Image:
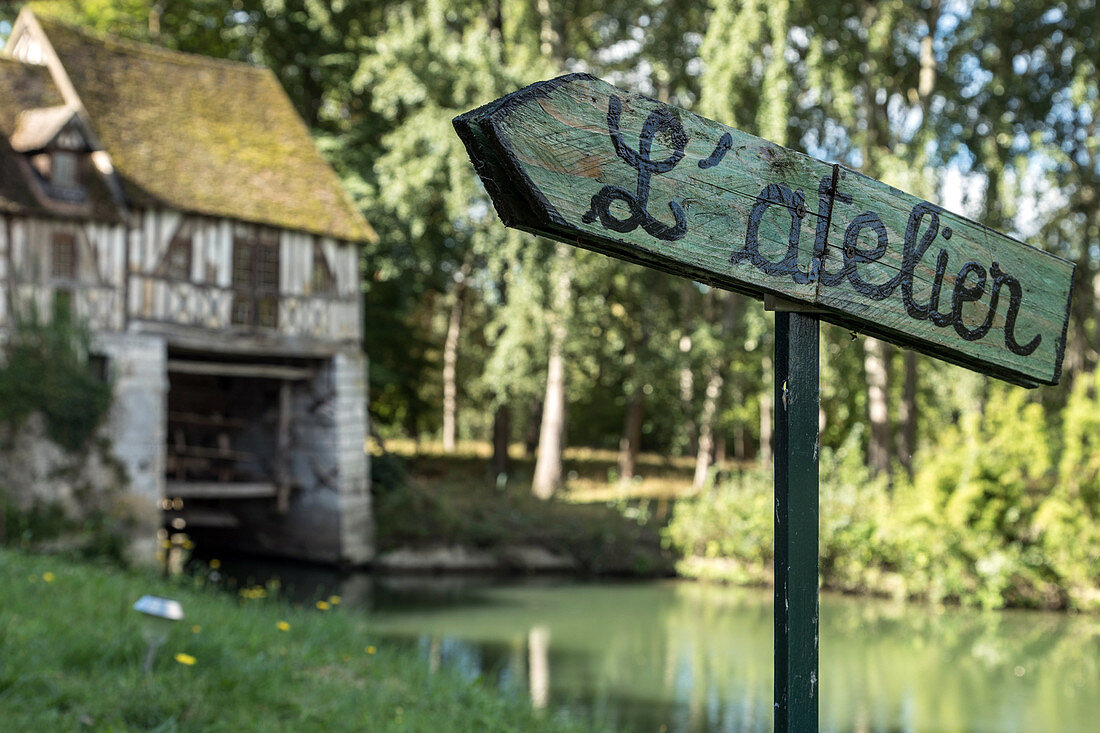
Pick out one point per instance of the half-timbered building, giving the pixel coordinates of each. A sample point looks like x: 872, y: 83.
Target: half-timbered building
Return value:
x: 177, y: 205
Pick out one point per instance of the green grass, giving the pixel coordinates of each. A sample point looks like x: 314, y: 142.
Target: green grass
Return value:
x: 71, y: 659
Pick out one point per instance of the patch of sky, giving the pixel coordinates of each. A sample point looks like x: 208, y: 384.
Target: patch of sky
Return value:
x: 1040, y: 200
x: 954, y: 14
x: 970, y: 66
x: 621, y: 50
x: 1054, y: 15
x: 639, y: 77
x: 905, y: 117
x: 961, y: 190
x: 798, y: 36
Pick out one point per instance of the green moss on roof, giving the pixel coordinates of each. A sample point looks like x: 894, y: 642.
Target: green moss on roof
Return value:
x: 204, y: 135
x: 24, y: 86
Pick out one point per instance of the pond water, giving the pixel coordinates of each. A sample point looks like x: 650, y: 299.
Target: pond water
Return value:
x: 681, y: 656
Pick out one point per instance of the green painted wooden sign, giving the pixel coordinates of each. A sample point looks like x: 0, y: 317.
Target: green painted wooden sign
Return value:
x: 584, y: 162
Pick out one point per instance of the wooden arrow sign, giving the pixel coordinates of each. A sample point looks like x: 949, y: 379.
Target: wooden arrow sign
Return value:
x: 583, y: 162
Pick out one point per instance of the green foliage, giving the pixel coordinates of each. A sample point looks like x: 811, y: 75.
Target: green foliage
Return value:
x: 45, y: 369
x: 977, y: 525
x: 100, y: 536
x: 28, y: 528
x: 972, y: 508
x: 1069, y: 519
x: 732, y: 523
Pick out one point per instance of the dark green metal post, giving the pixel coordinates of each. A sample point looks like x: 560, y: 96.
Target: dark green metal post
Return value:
x: 796, y: 448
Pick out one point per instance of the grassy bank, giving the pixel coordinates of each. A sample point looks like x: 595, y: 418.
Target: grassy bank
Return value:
x: 987, y: 524
x: 71, y: 654
x: 426, y: 498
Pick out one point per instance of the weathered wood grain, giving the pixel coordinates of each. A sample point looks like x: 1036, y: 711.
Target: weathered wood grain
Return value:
x: 583, y: 162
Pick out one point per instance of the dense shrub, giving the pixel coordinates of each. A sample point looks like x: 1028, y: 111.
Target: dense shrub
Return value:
x: 45, y: 369
x: 990, y: 518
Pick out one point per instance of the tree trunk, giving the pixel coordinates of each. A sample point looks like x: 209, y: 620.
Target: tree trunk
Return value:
x: 878, y: 415
x: 450, y: 359
x: 632, y: 435
x: 687, y: 377
x: 739, y: 446
x: 531, y: 434
x: 502, y: 437
x: 547, y: 478
x: 706, y: 428
x: 630, y: 443
x: 907, y: 416
x: 548, y: 470
x: 715, y: 381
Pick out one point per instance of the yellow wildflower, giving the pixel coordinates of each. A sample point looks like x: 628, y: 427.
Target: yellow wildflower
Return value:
x: 215, y: 564
x: 282, y: 626
x: 48, y: 577
x: 323, y: 605
x: 371, y: 650
x: 196, y: 629
x: 334, y: 600
x: 186, y: 659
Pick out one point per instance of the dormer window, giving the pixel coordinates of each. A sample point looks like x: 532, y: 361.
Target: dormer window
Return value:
x: 59, y: 168
x: 53, y: 139
x: 63, y: 169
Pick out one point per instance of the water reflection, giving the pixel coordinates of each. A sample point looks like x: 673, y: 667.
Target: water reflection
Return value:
x: 697, y: 658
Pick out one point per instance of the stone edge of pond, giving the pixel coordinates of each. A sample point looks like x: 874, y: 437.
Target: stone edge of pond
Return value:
x: 458, y: 558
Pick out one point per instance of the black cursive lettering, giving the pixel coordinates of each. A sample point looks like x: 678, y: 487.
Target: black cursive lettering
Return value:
x: 775, y: 194
x: 660, y: 120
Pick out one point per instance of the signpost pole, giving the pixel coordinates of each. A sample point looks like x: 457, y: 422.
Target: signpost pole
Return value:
x: 796, y: 510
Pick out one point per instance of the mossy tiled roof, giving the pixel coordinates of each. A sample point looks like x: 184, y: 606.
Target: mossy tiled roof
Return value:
x: 22, y: 87
x: 29, y: 88
x: 204, y: 135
